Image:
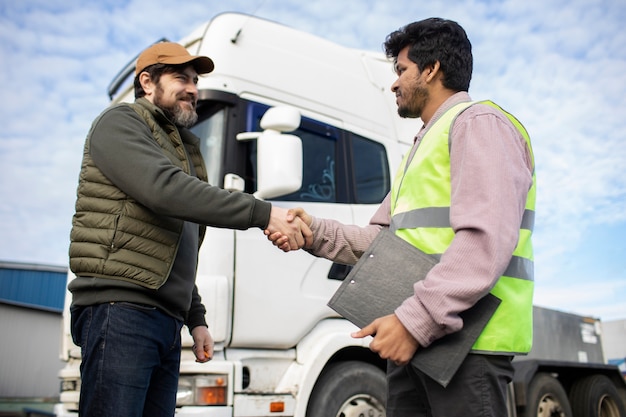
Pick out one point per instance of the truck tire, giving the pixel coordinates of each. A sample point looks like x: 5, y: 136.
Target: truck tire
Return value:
x: 596, y: 396
x: 546, y: 398
x: 349, y: 389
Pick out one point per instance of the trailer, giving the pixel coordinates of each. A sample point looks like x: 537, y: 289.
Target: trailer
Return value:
x: 565, y: 373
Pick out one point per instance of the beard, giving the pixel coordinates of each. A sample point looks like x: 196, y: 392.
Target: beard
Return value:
x: 176, y: 112
x: 414, y: 103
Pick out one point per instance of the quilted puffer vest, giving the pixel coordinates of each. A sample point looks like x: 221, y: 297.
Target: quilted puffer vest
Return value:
x: 115, y: 237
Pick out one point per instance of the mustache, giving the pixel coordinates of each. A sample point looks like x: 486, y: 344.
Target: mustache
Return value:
x: 191, y: 98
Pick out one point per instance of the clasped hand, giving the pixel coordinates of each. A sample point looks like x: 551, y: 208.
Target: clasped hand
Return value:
x: 289, y: 229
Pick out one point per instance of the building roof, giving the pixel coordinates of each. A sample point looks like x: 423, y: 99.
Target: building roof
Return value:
x: 33, y: 285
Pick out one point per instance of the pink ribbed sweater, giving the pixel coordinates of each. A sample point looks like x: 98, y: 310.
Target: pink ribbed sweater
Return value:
x: 491, y: 173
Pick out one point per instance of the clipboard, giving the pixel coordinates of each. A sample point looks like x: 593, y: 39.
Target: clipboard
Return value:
x: 383, y: 278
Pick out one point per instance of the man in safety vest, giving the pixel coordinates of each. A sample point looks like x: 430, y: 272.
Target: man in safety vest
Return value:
x: 464, y: 193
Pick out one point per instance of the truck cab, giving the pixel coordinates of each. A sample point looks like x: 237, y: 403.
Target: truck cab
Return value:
x: 275, y: 337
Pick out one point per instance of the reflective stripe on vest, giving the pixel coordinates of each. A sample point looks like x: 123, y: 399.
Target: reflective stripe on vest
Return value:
x: 420, y: 208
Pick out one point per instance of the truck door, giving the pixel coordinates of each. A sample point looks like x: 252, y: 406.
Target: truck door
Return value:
x: 279, y: 297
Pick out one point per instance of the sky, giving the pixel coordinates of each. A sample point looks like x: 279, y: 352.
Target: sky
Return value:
x: 558, y: 65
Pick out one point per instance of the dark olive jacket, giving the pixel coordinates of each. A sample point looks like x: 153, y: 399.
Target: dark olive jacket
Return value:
x: 141, y: 178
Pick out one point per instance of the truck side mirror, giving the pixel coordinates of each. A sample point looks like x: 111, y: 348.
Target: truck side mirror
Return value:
x: 279, y: 156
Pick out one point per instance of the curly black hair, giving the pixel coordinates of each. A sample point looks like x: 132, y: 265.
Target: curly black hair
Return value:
x: 433, y: 40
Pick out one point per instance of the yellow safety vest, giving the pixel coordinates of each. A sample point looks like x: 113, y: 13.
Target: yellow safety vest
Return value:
x: 420, y: 210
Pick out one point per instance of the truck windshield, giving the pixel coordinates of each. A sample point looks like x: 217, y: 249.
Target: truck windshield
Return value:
x: 210, y: 129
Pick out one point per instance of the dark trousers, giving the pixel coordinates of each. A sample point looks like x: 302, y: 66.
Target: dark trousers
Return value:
x: 130, y: 360
x: 478, y: 389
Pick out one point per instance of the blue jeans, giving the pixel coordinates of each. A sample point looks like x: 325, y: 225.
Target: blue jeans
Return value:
x: 130, y: 360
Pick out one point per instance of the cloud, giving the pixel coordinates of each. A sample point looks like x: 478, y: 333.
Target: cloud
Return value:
x: 596, y: 299
x: 557, y: 65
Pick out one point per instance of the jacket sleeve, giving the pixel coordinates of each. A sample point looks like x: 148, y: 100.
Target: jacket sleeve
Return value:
x: 196, y: 314
x: 122, y: 148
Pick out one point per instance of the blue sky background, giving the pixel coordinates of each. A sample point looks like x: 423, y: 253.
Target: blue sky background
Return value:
x: 559, y: 65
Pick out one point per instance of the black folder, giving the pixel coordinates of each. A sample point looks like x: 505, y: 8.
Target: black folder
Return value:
x: 383, y: 278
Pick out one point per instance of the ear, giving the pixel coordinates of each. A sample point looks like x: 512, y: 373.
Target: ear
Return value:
x: 146, y: 83
x: 433, y: 71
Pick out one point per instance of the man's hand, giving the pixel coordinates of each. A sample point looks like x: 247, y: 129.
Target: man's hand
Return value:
x: 299, y: 212
x: 391, y: 339
x: 202, y: 344
x: 297, y: 218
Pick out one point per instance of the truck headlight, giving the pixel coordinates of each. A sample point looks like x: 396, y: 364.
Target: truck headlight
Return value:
x: 69, y: 385
x: 202, y: 390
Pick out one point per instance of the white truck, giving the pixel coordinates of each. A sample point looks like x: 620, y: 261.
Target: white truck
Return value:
x: 331, y: 140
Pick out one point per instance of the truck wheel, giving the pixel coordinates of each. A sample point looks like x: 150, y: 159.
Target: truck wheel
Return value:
x: 546, y: 398
x: 596, y: 396
x: 349, y: 389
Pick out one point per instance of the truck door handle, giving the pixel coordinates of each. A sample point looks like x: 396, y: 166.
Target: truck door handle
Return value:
x: 339, y: 272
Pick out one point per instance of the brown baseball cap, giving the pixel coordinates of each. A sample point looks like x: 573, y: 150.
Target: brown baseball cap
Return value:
x: 174, y: 54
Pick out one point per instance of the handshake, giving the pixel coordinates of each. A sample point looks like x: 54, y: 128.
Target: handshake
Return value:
x: 289, y: 229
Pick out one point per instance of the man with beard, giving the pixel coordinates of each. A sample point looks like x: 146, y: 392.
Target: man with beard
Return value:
x: 465, y: 193
x: 142, y: 208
